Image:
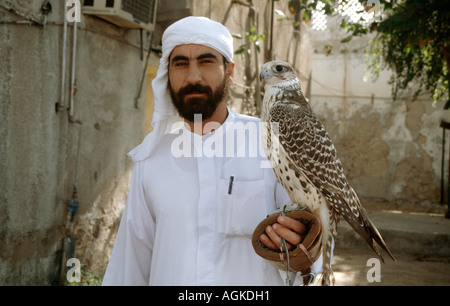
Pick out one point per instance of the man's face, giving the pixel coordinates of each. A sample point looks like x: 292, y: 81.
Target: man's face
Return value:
x: 198, y: 78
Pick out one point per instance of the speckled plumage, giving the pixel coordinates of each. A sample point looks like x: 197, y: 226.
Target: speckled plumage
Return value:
x: 305, y: 161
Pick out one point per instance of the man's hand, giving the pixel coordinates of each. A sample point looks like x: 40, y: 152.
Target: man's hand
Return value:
x: 290, y: 229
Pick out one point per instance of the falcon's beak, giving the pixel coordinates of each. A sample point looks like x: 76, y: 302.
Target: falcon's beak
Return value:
x: 264, y: 75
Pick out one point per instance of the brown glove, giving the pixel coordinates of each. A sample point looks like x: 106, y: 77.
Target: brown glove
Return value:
x: 304, y: 254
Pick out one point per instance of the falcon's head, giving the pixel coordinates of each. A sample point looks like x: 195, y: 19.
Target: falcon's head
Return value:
x: 275, y: 72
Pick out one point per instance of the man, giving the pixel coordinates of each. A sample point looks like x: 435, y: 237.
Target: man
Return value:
x: 198, y: 189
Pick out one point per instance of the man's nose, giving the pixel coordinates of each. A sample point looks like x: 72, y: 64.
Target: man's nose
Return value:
x: 194, y: 74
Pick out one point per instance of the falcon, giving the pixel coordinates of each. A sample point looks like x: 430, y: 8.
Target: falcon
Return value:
x: 306, y: 163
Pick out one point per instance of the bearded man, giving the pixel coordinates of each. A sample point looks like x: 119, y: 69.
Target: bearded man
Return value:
x: 189, y: 216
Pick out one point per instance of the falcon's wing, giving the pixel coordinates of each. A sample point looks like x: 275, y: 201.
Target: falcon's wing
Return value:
x: 308, y: 146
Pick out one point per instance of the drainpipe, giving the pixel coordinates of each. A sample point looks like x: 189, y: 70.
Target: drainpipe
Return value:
x: 69, y: 241
x: 60, y: 104
x: 73, y: 90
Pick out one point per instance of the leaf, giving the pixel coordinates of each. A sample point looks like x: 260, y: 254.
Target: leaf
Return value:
x: 306, y: 16
x: 347, y: 39
x: 328, y: 9
x: 292, y: 4
x: 327, y: 49
x: 240, y: 50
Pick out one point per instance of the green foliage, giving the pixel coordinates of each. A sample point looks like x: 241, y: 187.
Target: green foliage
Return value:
x: 88, y: 278
x: 252, y: 36
x: 412, y: 39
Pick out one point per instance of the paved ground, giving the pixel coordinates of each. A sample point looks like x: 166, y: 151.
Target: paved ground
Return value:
x: 419, y: 241
x: 409, y: 270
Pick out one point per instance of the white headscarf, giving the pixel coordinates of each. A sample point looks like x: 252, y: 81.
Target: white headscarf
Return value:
x: 189, y: 30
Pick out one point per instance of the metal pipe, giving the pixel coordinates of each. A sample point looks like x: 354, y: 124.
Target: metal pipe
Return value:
x: 270, y: 53
x: 144, y: 74
x: 69, y: 242
x: 442, y: 166
x: 73, y: 81
x: 75, y: 181
x: 60, y: 105
x: 445, y: 125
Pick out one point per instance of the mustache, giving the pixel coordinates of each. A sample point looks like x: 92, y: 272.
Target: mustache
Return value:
x: 194, y: 88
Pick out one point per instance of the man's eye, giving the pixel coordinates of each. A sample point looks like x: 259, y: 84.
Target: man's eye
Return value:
x: 180, y: 64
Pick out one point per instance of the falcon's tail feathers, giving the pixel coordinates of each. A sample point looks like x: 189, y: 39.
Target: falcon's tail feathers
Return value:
x: 359, y: 220
x: 363, y: 226
x: 373, y: 235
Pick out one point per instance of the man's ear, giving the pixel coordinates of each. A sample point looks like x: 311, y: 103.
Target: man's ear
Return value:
x: 230, y: 72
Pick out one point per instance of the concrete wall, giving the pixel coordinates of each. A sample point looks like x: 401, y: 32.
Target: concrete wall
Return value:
x: 38, y: 146
x: 391, y: 150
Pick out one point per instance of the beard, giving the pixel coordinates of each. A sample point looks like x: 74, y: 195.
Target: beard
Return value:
x: 205, y: 106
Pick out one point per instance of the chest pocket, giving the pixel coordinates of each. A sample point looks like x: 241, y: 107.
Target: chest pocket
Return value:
x: 240, y: 212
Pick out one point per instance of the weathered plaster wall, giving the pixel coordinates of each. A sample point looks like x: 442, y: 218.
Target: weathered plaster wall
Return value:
x: 38, y: 146
x: 391, y: 150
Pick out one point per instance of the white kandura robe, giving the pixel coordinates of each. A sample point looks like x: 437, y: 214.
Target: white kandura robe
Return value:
x: 181, y: 227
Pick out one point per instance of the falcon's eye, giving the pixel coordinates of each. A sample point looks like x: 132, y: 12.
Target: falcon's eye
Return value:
x: 278, y: 68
